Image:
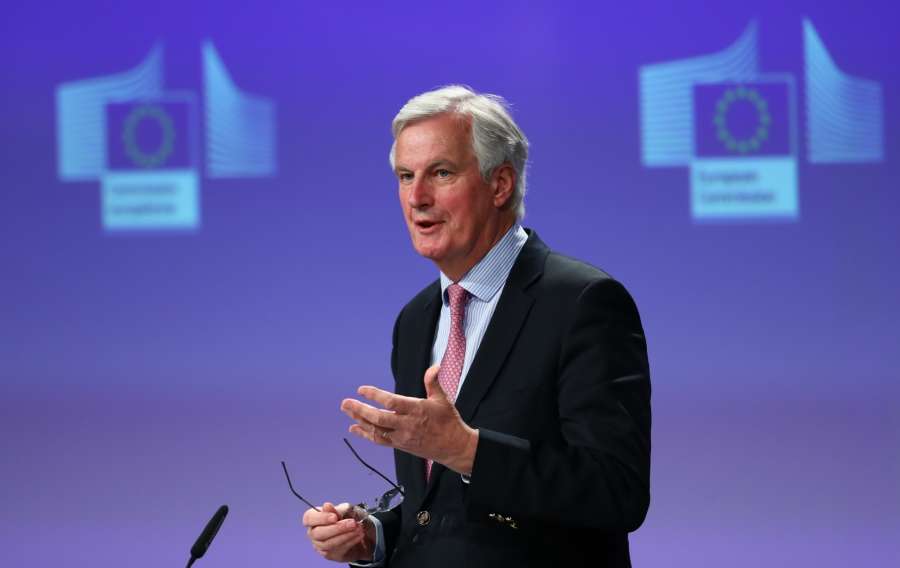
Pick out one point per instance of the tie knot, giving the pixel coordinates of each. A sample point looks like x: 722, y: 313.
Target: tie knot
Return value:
x: 458, y: 296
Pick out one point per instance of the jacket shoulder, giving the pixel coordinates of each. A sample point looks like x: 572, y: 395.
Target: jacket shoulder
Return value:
x: 569, y: 284
x: 567, y: 281
x: 421, y: 300
x: 561, y: 271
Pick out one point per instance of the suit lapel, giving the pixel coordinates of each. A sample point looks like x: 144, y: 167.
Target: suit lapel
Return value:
x: 512, y: 310
x: 425, y: 341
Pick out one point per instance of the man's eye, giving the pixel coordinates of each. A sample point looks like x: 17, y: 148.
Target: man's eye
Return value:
x: 405, y: 177
x: 443, y: 173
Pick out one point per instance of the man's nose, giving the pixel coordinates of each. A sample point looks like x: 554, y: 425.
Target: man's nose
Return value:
x: 420, y: 194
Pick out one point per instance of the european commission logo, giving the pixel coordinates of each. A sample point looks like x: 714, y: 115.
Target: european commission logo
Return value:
x: 145, y: 145
x: 735, y: 128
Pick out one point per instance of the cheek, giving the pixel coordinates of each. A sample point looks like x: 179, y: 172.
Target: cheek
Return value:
x: 457, y: 210
x: 405, y: 209
x: 464, y: 217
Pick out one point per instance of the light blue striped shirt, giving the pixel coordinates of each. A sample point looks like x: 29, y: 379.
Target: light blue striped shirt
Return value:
x: 485, y: 282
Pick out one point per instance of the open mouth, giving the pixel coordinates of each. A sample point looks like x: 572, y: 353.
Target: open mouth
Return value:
x: 425, y: 224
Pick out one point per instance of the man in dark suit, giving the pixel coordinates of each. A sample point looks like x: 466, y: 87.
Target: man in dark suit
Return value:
x: 521, y: 417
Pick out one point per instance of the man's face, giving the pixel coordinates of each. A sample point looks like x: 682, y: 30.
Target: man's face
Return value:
x: 450, y: 211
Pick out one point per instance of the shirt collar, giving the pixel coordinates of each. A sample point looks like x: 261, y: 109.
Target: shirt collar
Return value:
x: 487, y: 277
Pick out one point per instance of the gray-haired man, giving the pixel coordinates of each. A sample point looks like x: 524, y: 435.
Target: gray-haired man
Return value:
x: 521, y: 418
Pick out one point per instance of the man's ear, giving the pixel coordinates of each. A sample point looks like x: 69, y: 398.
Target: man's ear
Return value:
x: 503, y: 183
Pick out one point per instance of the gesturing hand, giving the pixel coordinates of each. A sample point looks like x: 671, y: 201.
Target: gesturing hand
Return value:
x: 430, y: 427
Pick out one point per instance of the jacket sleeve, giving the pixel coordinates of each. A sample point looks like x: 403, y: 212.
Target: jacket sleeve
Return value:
x: 599, y: 475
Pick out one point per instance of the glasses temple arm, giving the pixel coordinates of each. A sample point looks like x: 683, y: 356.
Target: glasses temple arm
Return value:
x: 378, y: 473
x: 294, y: 491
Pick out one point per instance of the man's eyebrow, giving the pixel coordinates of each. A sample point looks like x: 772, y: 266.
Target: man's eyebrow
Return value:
x: 431, y: 166
x: 437, y: 163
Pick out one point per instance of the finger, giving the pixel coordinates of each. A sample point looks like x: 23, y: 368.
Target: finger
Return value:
x: 390, y: 401
x: 361, y: 411
x: 373, y: 434
x: 313, y: 518
x: 321, y: 535
x: 336, y: 547
x: 432, y: 386
x: 362, y: 432
x: 343, y: 552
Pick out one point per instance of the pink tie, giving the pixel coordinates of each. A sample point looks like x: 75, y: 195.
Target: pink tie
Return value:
x: 455, y: 354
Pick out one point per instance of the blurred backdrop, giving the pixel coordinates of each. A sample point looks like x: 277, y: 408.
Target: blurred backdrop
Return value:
x: 202, y: 253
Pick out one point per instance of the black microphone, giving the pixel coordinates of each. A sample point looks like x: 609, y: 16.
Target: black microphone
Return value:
x: 209, y: 533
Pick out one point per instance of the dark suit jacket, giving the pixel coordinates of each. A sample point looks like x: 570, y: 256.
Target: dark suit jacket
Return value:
x: 560, y: 393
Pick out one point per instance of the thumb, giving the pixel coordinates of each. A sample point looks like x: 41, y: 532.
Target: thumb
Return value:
x: 329, y: 508
x: 432, y: 386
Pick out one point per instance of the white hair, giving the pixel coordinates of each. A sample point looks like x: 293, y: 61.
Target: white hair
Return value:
x: 496, y: 139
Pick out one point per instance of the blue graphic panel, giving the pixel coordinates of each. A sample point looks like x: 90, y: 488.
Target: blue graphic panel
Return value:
x: 746, y: 163
x: 741, y: 188
x: 147, y: 201
x: 81, y: 117
x: 240, y: 128
x: 844, y: 113
x: 667, y: 121
x: 151, y: 181
x: 151, y: 134
x: 743, y: 119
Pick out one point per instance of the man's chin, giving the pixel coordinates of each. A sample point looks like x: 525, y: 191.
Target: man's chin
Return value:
x: 430, y: 251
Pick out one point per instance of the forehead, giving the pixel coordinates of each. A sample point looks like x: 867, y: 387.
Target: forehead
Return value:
x: 445, y: 136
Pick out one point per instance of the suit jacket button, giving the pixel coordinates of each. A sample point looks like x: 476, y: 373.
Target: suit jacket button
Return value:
x: 423, y: 518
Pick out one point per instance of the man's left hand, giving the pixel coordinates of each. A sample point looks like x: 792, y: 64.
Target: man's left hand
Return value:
x: 430, y: 427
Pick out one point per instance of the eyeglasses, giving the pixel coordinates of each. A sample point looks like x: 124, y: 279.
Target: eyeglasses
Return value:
x: 386, y: 502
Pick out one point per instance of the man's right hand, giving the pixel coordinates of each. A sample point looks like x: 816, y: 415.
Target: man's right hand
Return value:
x: 337, y: 534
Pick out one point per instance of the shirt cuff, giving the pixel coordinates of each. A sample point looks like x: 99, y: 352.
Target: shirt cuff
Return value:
x: 378, y: 556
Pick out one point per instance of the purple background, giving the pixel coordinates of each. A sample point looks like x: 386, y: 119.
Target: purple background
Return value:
x: 147, y: 379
